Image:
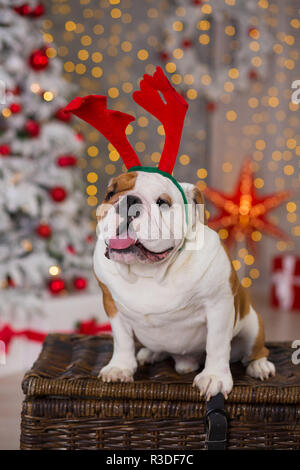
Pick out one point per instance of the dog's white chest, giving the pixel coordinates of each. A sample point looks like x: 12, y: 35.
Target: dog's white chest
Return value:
x: 179, y: 331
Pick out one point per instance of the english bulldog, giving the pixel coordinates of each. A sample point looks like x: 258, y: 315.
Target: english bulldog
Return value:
x: 167, y: 279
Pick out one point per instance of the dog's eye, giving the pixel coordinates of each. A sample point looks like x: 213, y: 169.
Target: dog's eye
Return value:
x: 109, y: 195
x: 160, y: 202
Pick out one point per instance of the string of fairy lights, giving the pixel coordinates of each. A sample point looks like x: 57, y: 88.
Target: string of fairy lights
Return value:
x: 101, y: 42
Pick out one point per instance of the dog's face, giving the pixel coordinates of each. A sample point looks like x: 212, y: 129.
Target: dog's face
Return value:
x: 142, y: 218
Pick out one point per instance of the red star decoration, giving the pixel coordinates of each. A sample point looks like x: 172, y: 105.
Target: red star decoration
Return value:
x: 244, y: 212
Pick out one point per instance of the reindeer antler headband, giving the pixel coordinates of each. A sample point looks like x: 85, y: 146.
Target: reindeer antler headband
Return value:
x: 112, y: 124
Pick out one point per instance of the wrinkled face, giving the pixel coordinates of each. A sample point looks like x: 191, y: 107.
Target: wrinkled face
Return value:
x: 141, y: 219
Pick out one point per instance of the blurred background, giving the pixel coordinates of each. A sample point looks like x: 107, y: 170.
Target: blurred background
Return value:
x: 233, y: 61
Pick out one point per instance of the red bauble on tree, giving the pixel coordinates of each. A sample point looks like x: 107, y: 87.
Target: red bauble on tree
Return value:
x: 27, y: 10
x: 44, y: 230
x: 63, y: 115
x: 80, y: 283
x: 23, y: 10
x: 186, y: 43
x: 58, y: 193
x: 15, y: 108
x: 66, y: 160
x: 10, y: 282
x: 38, y: 11
x: 56, y: 286
x: 4, y: 150
x: 15, y: 91
x: 32, y: 128
x: 39, y: 60
x: 71, y: 249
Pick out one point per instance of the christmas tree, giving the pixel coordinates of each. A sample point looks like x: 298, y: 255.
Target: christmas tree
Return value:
x: 45, y: 234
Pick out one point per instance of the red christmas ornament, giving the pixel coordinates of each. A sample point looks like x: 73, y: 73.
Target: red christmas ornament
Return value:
x: 56, y: 285
x: 71, y: 249
x: 197, y: 2
x: 211, y: 106
x: 38, y: 60
x: 23, y: 10
x: 15, y: 108
x: 186, y: 43
x: 244, y: 212
x: 58, y: 193
x: 38, y: 11
x: 16, y: 90
x: 32, y: 128
x: 44, y: 230
x: 4, y: 150
x: 80, y: 283
x: 26, y: 10
x: 63, y: 115
x: 164, y: 56
x: 66, y: 160
x: 10, y: 282
x: 253, y: 75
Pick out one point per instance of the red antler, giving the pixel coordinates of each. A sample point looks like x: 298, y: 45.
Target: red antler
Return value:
x: 171, y: 114
x: 111, y: 124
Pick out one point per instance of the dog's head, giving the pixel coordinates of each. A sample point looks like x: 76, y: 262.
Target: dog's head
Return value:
x: 143, y: 217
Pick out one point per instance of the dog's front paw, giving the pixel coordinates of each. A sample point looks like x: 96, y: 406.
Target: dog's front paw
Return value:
x: 211, y: 384
x: 261, y: 369
x: 111, y: 373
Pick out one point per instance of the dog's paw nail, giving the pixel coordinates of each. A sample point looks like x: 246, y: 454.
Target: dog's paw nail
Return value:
x: 115, y: 374
x: 211, y: 384
x: 261, y: 369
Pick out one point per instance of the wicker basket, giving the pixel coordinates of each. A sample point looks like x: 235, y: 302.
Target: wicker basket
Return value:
x: 67, y: 407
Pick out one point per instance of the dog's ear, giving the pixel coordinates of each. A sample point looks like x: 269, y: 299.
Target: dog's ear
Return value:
x: 199, y: 199
x: 195, y: 200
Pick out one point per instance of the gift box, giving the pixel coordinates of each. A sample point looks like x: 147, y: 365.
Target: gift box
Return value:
x: 68, y: 407
x: 22, y: 334
x: 285, y: 292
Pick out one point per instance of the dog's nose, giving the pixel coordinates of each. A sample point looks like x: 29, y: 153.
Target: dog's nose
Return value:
x: 129, y: 209
x: 133, y: 201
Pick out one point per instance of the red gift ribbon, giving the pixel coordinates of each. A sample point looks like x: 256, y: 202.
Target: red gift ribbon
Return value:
x: 88, y: 327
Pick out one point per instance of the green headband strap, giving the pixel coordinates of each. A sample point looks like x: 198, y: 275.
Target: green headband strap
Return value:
x: 151, y: 169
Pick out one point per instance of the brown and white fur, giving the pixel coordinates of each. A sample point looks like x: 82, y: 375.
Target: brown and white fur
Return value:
x: 178, y: 302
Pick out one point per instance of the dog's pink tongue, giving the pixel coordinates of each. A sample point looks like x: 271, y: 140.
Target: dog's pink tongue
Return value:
x: 121, y: 243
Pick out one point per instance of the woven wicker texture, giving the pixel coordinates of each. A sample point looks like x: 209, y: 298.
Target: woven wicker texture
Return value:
x: 68, y: 407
